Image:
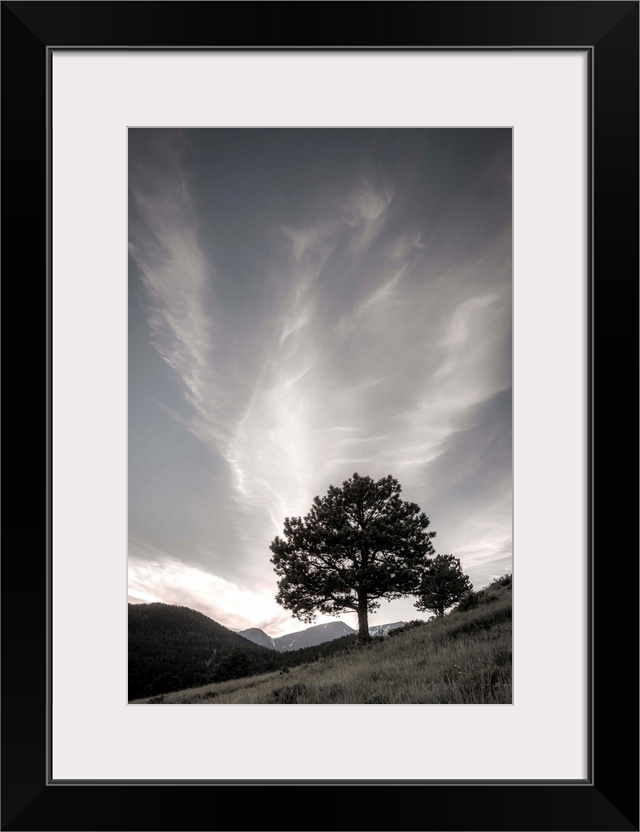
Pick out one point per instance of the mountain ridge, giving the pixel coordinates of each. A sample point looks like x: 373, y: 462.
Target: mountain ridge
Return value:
x: 311, y: 636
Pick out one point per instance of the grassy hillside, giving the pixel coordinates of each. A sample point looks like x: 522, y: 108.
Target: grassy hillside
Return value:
x: 173, y: 647
x: 461, y: 659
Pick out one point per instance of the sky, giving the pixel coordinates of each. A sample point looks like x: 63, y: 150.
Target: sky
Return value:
x: 306, y: 304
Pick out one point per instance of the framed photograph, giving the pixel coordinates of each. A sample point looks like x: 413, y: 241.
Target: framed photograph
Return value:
x: 243, y: 145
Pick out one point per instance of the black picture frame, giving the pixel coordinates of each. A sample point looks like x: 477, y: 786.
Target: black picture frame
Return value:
x: 608, y: 798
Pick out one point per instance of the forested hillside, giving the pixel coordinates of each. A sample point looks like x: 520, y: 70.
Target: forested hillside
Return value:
x: 171, y: 648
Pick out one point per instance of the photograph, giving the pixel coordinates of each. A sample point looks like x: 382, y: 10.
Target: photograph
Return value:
x: 320, y: 465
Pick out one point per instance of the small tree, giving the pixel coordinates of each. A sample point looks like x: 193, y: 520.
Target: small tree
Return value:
x: 234, y: 666
x: 443, y: 584
x: 358, y: 544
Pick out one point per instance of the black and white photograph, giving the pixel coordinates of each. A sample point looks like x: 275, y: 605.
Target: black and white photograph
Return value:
x: 320, y: 416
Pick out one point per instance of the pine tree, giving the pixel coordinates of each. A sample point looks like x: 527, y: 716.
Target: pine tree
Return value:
x: 443, y: 584
x: 358, y: 544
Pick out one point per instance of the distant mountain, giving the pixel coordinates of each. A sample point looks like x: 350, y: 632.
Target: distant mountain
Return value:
x: 258, y: 636
x: 312, y: 636
x: 301, y: 639
x: 383, y: 629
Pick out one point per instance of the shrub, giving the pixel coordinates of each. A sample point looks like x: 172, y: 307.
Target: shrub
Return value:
x: 410, y: 625
x: 468, y: 601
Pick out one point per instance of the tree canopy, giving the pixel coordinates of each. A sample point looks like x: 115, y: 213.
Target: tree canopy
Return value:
x: 443, y: 584
x: 358, y: 544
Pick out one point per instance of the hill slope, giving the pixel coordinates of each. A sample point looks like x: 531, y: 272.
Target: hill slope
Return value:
x: 172, y: 647
x: 462, y: 659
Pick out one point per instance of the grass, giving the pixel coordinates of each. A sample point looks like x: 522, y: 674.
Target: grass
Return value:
x: 464, y: 658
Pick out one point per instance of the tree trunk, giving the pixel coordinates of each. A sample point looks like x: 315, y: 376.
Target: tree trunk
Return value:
x: 363, y: 621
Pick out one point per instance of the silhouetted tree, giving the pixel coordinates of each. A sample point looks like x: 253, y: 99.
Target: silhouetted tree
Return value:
x: 234, y: 666
x: 443, y: 584
x: 358, y: 544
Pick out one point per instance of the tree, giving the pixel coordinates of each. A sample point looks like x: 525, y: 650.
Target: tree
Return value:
x: 443, y: 584
x: 233, y: 666
x: 358, y: 544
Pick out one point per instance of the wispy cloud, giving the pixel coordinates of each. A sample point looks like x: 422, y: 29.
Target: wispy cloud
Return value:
x: 179, y: 283
x: 363, y: 340
x: 367, y: 212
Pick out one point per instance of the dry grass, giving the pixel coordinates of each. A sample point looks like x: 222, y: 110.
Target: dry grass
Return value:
x: 464, y: 658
